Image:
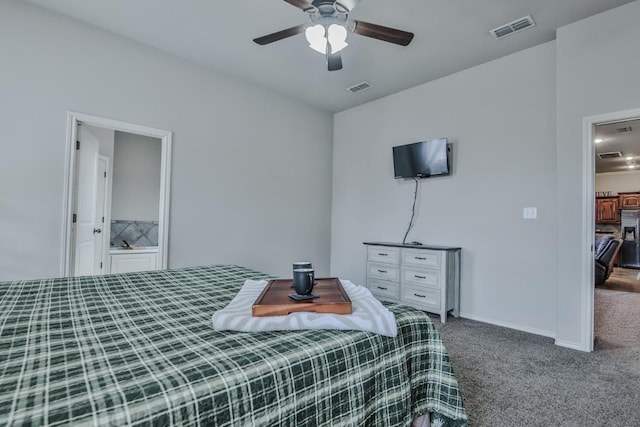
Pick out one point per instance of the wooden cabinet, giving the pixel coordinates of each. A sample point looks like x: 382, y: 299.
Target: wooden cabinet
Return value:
x: 424, y: 277
x: 629, y: 200
x: 607, y: 210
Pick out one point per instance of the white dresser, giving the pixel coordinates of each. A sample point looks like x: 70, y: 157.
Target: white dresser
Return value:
x: 425, y: 277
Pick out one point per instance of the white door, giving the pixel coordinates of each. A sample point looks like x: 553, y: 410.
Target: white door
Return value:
x: 86, y: 203
x: 101, y: 234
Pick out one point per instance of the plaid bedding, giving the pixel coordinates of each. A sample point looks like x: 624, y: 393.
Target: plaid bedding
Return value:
x: 139, y: 349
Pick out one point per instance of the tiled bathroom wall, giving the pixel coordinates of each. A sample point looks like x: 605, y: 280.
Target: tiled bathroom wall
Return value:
x: 136, y: 233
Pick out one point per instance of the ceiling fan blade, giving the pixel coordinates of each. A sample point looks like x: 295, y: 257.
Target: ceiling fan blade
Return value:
x: 274, y: 37
x: 334, y: 61
x: 302, y: 4
x: 380, y: 32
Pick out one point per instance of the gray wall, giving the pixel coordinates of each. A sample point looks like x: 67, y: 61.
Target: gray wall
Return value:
x: 136, y: 177
x: 517, y: 128
x: 240, y: 153
x: 500, y: 117
x: 598, y: 73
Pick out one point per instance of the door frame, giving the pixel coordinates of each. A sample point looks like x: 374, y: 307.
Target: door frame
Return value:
x: 165, y: 136
x: 588, y: 216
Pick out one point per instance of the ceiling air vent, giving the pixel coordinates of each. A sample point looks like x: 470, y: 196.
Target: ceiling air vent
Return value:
x: 610, y: 155
x: 359, y: 87
x: 624, y: 129
x: 513, y: 27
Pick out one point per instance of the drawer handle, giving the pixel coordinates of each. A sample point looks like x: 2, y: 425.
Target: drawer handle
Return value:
x: 419, y: 277
x: 421, y: 258
x: 380, y: 287
x: 383, y: 254
x: 383, y: 271
x: 420, y: 296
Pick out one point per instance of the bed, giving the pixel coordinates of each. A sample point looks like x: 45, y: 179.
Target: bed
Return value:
x: 139, y: 349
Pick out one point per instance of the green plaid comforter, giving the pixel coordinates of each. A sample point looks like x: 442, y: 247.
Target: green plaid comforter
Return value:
x: 139, y: 349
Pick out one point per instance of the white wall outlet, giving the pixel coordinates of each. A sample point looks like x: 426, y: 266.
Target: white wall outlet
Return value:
x: 530, y: 213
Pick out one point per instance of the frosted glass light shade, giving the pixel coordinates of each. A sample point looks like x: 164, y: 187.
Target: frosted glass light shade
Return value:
x: 337, y: 36
x: 317, y: 40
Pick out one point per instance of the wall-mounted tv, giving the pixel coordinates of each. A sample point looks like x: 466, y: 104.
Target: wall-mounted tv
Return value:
x: 421, y: 159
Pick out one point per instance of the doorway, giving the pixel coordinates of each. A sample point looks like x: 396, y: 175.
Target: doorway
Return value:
x: 591, y: 126
x: 96, y: 232
x: 617, y: 187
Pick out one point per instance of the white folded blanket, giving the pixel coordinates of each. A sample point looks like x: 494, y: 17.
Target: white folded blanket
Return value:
x: 368, y: 314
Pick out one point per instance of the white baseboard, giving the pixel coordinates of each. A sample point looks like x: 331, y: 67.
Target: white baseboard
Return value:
x: 570, y: 344
x: 535, y: 331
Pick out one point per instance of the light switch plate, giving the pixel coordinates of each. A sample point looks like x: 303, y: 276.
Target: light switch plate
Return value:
x: 530, y: 213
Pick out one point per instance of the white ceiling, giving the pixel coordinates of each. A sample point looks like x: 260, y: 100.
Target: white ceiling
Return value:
x: 622, y: 137
x: 450, y: 35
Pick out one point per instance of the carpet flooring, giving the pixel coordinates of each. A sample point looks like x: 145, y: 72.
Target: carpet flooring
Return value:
x: 511, y: 378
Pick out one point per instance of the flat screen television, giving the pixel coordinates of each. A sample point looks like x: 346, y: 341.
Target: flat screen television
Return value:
x: 421, y: 159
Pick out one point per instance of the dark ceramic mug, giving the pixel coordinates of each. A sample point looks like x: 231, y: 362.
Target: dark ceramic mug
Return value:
x: 303, y: 280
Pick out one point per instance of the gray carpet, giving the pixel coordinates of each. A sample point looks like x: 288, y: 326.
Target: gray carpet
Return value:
x: 512, y: 378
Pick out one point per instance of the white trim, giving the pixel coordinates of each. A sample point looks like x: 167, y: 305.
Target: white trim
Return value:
x: 588, y: 222
x: 570, y: 344
x: 165, y: 173
x: 587, y: 240
x: 106, y: 231
x: 69, y: 186
x: 535, y: 331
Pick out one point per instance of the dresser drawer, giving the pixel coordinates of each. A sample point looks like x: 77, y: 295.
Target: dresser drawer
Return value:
x: 384, y: 254
x: 383, y: 271
x: 384, y: 289
x: 427, y: 298
x: 421, y: 277
x: 421, y: 258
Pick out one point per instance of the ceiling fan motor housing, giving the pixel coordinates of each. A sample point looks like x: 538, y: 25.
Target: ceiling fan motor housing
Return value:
x: 329, y: 7
x: 344, y: 6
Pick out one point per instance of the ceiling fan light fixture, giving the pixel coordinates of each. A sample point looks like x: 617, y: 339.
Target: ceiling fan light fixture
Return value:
x: 316, y: 38
x: 337, y: 35
x: 320, y: 38
x: 331, y: 22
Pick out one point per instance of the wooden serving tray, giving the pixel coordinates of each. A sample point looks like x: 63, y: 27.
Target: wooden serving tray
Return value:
x: 274, y: 299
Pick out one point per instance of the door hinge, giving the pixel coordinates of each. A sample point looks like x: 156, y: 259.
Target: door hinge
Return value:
x: 105, y: 174
x: 75, y: 218
x: 77, y: 145
x: 100, y: 265
x: 103, y: 220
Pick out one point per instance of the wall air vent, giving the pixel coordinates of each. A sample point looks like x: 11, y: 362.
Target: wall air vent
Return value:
x: 610, y: 155
x: 624, y: 129
x: 359, y: 87
x: 513, y: 27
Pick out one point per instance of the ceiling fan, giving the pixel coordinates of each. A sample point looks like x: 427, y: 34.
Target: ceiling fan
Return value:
x: 328, y: 33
